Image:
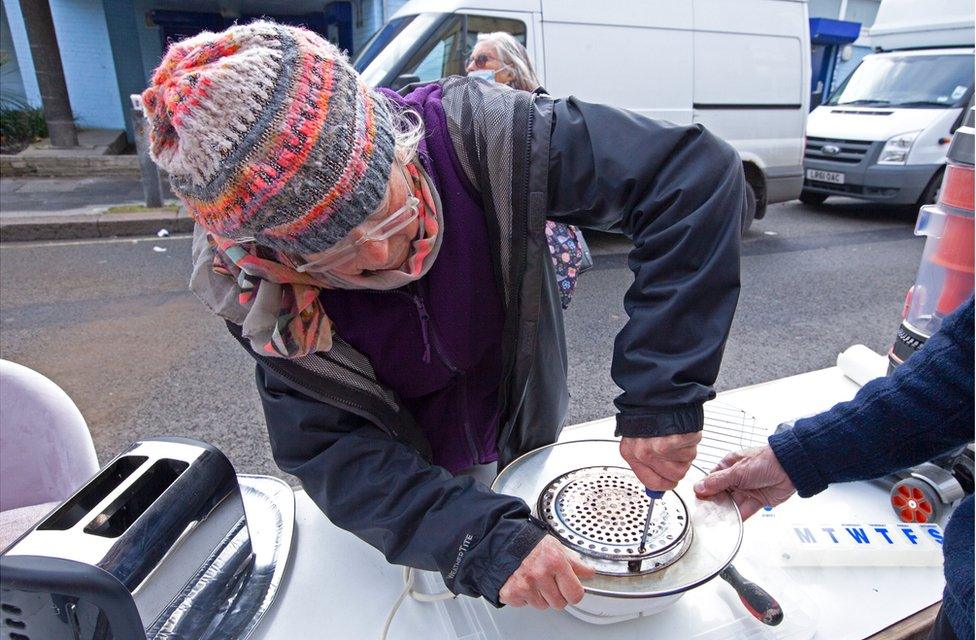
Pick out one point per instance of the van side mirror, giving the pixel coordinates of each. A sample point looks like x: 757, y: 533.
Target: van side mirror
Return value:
x: 404, y: 80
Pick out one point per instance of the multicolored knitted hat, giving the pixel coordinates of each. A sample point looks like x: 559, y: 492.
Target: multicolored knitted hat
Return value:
x: 268, y: 132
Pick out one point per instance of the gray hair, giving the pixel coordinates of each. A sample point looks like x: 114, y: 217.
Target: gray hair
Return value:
x: 511, y: 52
x: 408, y: 128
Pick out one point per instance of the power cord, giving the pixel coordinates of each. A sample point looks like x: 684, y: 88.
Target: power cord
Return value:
x: 419, y: 596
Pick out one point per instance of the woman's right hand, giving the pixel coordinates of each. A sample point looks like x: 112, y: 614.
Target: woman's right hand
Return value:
x: 547, y: 578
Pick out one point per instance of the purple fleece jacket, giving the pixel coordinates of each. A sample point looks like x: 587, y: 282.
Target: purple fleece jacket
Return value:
x: 437, y: 342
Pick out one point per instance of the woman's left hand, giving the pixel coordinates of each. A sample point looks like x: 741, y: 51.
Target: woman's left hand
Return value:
x: 661, y: 462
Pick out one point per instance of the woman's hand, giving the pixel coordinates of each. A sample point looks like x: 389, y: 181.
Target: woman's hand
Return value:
x: 754, y: 477
x: 547, y: 578
x: 661, y: 462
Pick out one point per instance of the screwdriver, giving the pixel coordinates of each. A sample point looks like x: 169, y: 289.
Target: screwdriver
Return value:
x: 654, y: 496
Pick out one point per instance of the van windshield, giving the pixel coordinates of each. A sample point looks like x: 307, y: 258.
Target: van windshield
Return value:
x: 391, y: 44
x: 919, y: 81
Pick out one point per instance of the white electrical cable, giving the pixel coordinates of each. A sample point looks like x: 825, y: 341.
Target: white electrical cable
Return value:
x: 419, y: 596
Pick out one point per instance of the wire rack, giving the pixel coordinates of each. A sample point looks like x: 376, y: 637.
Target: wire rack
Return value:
x: 727, y: 429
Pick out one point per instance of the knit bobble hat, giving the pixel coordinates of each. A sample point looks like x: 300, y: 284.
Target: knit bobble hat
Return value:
x: 268, y: 132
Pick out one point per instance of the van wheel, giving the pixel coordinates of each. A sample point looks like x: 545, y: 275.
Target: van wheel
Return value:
x: 931, y: 193
x: 812, y: 198
x: 750, y: 213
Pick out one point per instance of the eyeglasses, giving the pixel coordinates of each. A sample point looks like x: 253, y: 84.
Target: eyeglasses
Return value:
x: 479, y: 61
x: 346, y: 249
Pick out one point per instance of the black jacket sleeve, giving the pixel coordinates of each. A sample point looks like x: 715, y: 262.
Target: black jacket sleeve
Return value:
x: 384, y: 492
x: 923, y: 409
x: 679, y: 193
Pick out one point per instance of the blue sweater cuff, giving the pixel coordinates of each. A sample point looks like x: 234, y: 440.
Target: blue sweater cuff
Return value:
x: 790, y: 453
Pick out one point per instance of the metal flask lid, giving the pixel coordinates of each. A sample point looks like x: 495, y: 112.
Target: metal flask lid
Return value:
x: 594, y: 504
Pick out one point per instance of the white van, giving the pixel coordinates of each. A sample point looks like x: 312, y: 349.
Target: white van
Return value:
x: 884, y: 132
x: 740, y: 68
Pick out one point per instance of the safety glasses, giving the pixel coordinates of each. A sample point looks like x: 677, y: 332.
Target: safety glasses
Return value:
x: 374, y: 231
x: 346, y: 249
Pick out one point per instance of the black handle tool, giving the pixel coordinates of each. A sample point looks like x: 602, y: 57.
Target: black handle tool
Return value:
x: 759, y: 603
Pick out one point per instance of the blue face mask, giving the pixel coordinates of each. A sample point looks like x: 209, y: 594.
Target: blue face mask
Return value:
x: 484, y: 74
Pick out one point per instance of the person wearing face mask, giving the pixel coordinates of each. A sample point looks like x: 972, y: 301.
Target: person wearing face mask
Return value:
x: 499, y: 57
x: 383, y: 259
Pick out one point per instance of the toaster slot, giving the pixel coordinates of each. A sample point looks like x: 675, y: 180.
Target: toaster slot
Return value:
x: 134, y: 501
x: 79, y: 505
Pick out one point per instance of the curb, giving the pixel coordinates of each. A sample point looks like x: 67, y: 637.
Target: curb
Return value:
x: 80, y: 166
x: 100, y: 225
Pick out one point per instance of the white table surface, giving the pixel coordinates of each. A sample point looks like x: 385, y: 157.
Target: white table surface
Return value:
x: 339, y: 587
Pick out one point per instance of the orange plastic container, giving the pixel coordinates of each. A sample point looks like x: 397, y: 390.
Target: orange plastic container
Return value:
x: 945, y: 276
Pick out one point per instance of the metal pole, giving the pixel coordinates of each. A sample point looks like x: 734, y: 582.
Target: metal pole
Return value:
x: 151, y: 185
x: 50, y: 75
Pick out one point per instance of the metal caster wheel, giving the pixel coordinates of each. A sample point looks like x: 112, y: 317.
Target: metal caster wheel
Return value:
x: 915, y: 500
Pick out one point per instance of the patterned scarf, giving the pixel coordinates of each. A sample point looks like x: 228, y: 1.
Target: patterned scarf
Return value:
x: 283, y: 313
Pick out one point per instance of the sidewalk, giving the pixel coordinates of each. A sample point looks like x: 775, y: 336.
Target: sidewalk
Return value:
x: 65, y: 208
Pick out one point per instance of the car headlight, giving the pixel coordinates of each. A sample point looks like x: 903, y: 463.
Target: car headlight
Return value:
x: 896, y: 149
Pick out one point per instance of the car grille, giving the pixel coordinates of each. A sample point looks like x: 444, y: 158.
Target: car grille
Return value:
x: 851, y: 151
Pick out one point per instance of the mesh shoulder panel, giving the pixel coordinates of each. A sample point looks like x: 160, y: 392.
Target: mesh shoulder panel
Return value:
x: 481, y: 124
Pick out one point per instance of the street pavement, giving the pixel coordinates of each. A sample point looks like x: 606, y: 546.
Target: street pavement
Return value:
x: 29, y: 197
x: 113, y: 323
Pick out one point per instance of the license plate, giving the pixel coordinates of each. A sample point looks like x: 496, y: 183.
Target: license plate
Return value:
x: 825, y: 176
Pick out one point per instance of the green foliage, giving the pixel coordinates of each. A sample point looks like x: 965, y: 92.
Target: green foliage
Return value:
x: 19, y: 127
x: 20, y: 123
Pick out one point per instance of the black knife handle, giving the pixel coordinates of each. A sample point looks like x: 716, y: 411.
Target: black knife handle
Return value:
x: 759, y: 603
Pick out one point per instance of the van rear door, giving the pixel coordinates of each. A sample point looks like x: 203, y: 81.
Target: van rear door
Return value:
x: 752, y: 70
x: 634, y: 55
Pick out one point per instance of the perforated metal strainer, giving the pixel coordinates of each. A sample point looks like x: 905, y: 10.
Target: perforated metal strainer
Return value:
x: 595, y: 505
x: 599, y: 512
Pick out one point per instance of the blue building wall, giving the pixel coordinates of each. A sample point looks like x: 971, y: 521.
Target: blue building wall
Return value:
x: 129, y: 75
x: 109, y: 49
x: 13, y: 86
x: 89, y: 68
x: 150, y: 45
x: 86, y: 56
x: 21, y: 50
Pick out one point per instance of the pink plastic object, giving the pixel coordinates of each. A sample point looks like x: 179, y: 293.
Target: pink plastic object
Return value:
x: 46, y: 451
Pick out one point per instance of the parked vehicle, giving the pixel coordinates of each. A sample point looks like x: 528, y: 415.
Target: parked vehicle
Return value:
x: 884, y: 133
x: 741, y: 69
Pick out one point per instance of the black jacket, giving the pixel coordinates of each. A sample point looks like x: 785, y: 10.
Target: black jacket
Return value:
x: 677, y: 191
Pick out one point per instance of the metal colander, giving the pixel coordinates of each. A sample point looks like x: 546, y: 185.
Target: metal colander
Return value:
x: 600, y: 512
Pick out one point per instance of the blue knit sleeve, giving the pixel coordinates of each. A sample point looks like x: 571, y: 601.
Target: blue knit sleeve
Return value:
x: 923, y: 409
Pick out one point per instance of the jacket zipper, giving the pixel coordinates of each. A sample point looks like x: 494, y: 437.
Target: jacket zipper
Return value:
x: 424, y: 319
x: 432, y: 339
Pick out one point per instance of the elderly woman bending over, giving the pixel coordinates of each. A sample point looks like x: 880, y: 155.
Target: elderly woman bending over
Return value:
x: 383, y: 259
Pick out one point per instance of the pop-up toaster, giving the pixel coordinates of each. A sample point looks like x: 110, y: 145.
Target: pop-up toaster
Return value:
x: 118, y: 558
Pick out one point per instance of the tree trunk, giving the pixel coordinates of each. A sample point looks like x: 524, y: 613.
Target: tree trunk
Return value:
x: 50, y: 76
